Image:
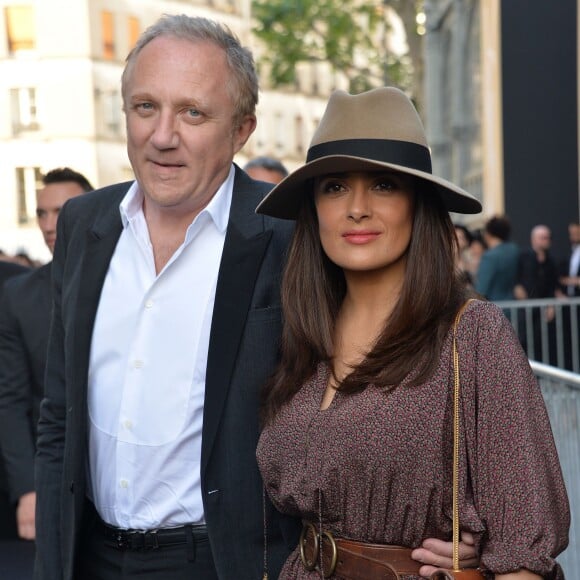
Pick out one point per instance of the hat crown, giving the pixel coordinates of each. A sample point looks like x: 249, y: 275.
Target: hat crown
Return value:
x: 382, y: 113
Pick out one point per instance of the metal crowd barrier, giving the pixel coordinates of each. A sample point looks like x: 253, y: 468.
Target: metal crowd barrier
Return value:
x: 561, y: 391
x: 548, y: 328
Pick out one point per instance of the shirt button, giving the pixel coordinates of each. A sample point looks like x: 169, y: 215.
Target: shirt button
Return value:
x: 149, y: 304
x: 124, y: 483
x: 138, y: 364
x: 128, y: 424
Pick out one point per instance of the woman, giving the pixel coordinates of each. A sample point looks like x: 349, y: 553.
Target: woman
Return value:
x: 357, y: 438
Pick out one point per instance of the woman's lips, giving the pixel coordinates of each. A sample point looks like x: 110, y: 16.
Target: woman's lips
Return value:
x: 362, y: 237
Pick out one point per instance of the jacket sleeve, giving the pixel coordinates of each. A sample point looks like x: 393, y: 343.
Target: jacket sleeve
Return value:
x: 16, y: 433
x: 518, y: 488
x: 51, y: 431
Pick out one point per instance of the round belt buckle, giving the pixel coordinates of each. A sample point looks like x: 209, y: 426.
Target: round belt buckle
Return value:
x: 333, y: 554
x: 308, y: 564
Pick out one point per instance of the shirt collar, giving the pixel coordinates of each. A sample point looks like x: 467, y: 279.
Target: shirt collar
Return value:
x: 218, y: 208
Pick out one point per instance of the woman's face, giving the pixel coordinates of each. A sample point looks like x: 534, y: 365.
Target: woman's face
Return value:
x: 461, y: 238
x: 365, y: 219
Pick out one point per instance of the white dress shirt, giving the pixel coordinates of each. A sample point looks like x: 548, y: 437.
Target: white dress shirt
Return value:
x: 573, y: 268
x: 147, y: 371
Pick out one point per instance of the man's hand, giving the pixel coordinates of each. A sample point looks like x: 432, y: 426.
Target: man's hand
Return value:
x: 439, y: 554
x: 25, y: 518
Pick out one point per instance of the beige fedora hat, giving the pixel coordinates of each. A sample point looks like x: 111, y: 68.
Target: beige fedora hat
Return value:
x: 376, y: 129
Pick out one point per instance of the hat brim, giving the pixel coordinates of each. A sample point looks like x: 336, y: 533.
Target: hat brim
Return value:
x: 285, y: 199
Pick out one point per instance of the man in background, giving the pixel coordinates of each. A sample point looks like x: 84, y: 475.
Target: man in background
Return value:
x: 538, y: 278
x: 25, y: 309
x: 266, y: 169
x: 498, y: 268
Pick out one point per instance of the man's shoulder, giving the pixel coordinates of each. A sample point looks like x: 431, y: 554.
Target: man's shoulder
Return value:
x: 25, y: 287
x: 10, y: 269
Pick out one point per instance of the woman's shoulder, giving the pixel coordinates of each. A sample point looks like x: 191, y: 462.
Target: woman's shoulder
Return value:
x: 483, y: 316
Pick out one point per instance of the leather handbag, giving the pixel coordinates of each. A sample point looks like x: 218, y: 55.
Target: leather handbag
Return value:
x: 456, y: 573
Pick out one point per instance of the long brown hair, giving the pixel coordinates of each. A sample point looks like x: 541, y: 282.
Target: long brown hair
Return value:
x: 313, y: 289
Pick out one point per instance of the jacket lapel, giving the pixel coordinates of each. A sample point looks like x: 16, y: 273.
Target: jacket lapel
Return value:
x: 101, y: 240
x: 244, y: 248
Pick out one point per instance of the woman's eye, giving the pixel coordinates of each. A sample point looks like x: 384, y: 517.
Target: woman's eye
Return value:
x: 331, y: 187
x: 386, y: 185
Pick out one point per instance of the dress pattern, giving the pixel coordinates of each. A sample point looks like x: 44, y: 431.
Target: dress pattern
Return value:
x: 376, y: 466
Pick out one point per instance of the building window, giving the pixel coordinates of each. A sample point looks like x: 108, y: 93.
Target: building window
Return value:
x: 112, y: 111
x: 280, y: 133
x: 134, y: 31
x: 28, y: 182
x: 108, y: 34
x: 299, y: 135
x: 20, y: 28
x: 24, y: 114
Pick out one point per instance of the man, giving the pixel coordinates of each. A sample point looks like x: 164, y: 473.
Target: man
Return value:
x: 537, y: 277
x: 8, y: 531
x: 496, y: 276
x: 570, y: 287
x: 266, y: 169
x: 24, y: 323
x: 570, y: 268
x: 165, y: 327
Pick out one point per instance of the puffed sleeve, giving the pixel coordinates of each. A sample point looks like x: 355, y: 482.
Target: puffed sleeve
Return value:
x: 517, y: 485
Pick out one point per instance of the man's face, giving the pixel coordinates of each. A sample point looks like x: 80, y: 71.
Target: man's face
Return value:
x: 263, y: 174
x: 541, y: 238
x: 49, y: 200
x: 574, y: 233
x: 180, y: 124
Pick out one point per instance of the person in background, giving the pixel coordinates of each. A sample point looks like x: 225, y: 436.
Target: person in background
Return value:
x: 570, y: 269
x: 266, y: 169
x: 358, y: 430
x: 8, y: 529
x: 25, y: 309
x: 569, y: 281
x: 476, y: 249
x: 464, y: 259
x: 498, y: 268
x: 538, y: 278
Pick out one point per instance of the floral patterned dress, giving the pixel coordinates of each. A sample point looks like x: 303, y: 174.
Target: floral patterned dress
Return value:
x: 376, y: 466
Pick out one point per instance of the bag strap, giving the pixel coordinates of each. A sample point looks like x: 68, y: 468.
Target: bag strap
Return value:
x: 456, y: 437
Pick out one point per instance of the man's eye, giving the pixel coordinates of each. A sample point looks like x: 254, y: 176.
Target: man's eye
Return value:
x: 193, y: 113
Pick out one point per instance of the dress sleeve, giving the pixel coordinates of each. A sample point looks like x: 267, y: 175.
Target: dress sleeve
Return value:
x: 518, y: 489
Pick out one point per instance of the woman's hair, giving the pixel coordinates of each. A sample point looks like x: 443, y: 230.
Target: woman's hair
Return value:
x: 410, y: 344
x: 243, y: 82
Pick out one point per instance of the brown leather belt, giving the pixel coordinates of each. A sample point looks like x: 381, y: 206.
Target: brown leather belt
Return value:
x: 353, y: 560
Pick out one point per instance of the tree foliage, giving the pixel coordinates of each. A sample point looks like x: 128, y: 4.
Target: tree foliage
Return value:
x: 334, y: 31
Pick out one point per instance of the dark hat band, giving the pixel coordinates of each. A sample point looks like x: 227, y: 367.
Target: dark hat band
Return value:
x: 402, y: 153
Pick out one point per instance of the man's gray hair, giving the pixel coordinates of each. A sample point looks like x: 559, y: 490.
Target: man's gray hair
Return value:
x: 243, y: 83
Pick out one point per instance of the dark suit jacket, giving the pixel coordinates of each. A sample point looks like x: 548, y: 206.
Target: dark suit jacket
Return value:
x: 9, y: 269
x: 564, y: 271
x: 242, y: 353
x: 7, y: 508
x: 25, y: 310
